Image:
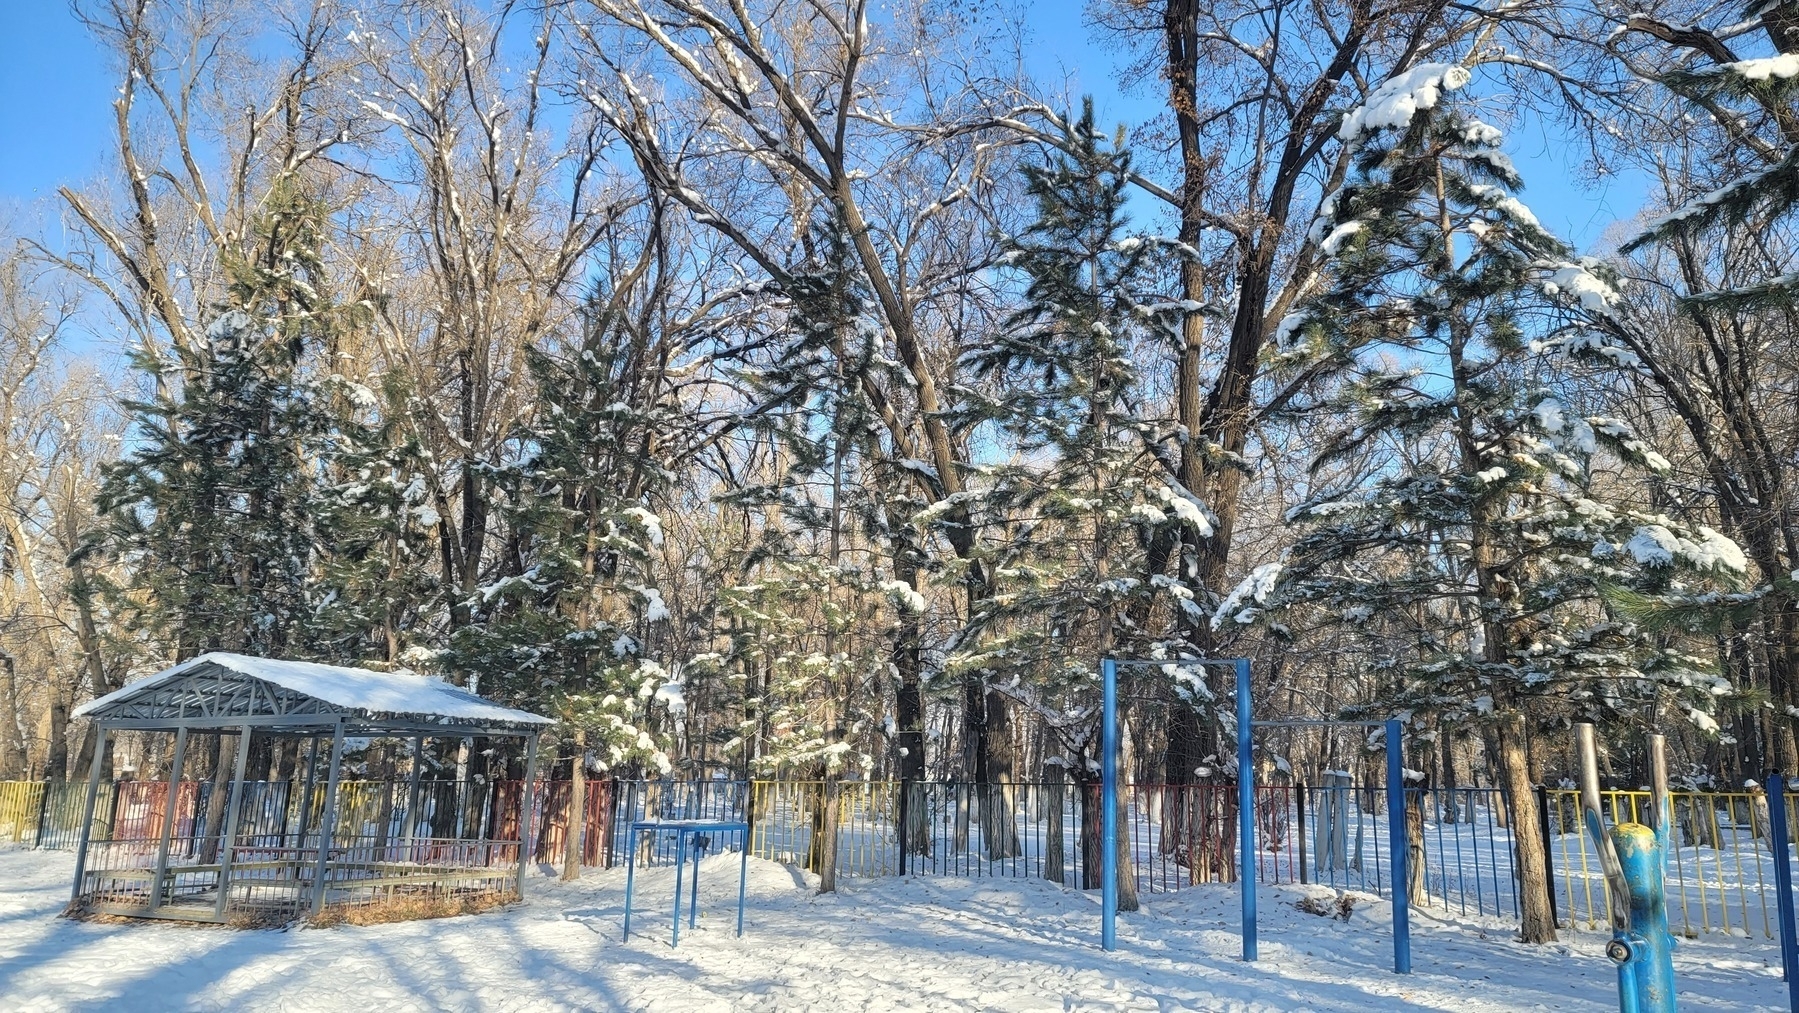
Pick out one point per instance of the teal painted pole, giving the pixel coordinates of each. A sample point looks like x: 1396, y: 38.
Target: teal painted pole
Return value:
x: 1633, y: 857
x: 1650, y: 942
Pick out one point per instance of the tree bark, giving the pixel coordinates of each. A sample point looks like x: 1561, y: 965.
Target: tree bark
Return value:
x: 910, y: 712
x: 1537, y: 924
x: 577, y: 809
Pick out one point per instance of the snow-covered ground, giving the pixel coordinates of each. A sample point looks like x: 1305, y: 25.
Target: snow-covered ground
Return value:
x: 893, y: 944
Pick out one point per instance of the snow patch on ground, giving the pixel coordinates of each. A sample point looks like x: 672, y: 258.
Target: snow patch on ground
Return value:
x: 879, y: 944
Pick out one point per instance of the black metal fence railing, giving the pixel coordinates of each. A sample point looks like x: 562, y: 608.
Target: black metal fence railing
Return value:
x: 1175, y: 835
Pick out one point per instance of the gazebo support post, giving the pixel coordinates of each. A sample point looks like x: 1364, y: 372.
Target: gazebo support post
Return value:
x: 231, y: 811
x: 327, y: 819
x: 87, y: 810
x: 412, y: 793
x: 525, y: 849
x: 171, y: 808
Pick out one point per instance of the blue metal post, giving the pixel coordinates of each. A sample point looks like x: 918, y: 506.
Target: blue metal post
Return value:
x: 1108, y: 793
x: 743, y: 875
x: 630, y: 878
x: 1783, y: 886
x: 1246, y: 809
x: 693, y: 901
x: 1398, y: 852
x: 680, y: 867
x: 1632, y: 856
x: 1652, y: 946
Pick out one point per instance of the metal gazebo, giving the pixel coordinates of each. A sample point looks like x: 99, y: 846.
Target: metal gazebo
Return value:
x: 229, y: 876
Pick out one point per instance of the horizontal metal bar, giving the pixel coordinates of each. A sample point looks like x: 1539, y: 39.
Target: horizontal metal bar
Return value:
x: 1183, y: 662
x: 1319, y: 723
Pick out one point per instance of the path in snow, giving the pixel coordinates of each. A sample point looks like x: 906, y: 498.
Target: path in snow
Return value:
x: 896, y: 944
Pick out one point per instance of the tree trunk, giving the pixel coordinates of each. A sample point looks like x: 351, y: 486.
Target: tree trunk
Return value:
x: 56, y: 759
x: 1417, y: 888
x: 826, y: 844
x: 1092, y: 829
x: 1127, y: 868
x: 1053, y: 802
x: 999, y: 796
x: 577, y: 809
x: 909, y: 703
x: 12, y: 736
x: 215, y: 801
x: 1538, y: 921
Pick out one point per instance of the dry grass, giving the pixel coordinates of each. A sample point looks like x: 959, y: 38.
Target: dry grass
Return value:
x: 409, y: 907
x: 400, y: 906
x: 1340, y: 907
x: 237, y: 921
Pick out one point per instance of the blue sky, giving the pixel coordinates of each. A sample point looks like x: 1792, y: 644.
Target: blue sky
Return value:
x: 55, y: 101
x: 56, y: 93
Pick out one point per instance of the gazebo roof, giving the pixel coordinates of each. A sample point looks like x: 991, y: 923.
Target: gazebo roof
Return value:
x: 224, y: 691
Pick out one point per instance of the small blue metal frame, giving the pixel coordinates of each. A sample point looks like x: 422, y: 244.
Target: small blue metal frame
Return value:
x: 1397, y: 852
x: 1246, y: 807
x: 685, y: 831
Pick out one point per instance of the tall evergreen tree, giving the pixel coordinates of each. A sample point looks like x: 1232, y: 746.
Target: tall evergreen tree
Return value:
x: 1074, y: 509
x: 565, y: 625
x: 1489, y: 509
x: 1718, y: 356
x: 216, y: 505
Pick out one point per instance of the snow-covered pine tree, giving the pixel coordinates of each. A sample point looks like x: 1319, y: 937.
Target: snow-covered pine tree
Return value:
x: 1718, y: 355
x: 567, y: 624
x: 839, y: 558
x: 1483, y: 510
x: 377, y: 530
x: 1072, y: 512
x: 216, y: 504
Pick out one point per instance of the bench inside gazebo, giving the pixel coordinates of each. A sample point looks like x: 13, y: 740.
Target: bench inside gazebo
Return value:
x: 319, y: 866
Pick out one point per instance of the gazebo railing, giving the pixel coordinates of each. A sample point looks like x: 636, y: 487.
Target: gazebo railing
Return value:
x: 277, y: 882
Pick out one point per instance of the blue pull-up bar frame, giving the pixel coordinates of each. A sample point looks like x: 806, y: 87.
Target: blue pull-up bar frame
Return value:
x: 1397, y: 850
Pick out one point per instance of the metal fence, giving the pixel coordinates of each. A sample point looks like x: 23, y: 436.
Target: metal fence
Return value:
x: 1720, y: 875
x: 1720, y: 871
x: 47, y: 814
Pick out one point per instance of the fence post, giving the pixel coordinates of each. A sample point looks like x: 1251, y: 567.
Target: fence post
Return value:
x: 43, y: 810
x: 1548, y: 852
x: 1246, y: 810
x: 1301, y: 789
x: 1783, y: 886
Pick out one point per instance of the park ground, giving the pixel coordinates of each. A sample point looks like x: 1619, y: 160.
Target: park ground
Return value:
x: 891, y: 944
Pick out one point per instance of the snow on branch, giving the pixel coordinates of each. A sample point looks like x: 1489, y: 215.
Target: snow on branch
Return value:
x: 1576, y: 282
x: 1400, y: 97
x: 1657, y: 546
x: 1257, y: 587
x: 1733, y: 202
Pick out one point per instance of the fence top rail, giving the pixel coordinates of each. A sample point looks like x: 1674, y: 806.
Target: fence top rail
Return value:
x: 1644, y: 793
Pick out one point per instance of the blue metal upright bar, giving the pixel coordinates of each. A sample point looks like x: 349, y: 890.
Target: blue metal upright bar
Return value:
x: 1783, y: 886
x: 680, y: 867
x: 1108, y: 774
x: 1397, y: 852
x: 631, y: 880
x: 1246, y: 808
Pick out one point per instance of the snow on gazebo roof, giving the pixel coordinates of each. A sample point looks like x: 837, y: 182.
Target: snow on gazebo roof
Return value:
x: 222, y: 691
